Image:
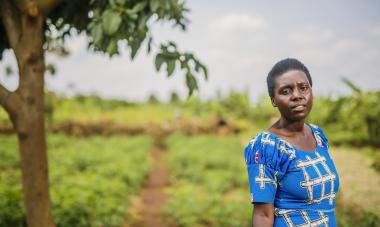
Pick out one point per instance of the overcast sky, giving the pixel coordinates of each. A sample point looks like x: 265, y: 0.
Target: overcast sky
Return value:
x: 239, y: 41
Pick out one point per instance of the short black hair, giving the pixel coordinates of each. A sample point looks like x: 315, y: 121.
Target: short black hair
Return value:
x: 282, y: 67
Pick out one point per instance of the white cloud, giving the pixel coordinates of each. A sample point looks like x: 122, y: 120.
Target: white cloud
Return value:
x: 235, y: 21
x: 311, y: 35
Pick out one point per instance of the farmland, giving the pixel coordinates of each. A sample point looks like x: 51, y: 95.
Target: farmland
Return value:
x: 96, y: 176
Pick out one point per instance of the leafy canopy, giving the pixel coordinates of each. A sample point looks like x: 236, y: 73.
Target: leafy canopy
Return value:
x: 110, y: 23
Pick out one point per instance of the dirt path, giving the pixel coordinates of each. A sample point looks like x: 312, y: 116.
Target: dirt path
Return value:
x: 147, y: 206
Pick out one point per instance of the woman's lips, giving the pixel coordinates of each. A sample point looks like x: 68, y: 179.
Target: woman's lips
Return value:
x: 299, y: 108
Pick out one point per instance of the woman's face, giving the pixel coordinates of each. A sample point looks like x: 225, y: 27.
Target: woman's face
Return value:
x: 293, y: 95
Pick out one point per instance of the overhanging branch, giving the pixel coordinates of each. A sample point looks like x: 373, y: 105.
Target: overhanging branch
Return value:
x: 34, y: 8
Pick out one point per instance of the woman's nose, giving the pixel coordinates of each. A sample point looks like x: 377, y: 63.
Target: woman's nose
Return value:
x: 297, y: 94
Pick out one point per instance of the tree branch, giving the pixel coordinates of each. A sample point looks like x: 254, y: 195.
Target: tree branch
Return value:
x: 46, y: 6
x: 28, y: 6
x: 11, y: 21
x: 9, y: 100
x: 4, y: 94
x: 35, y: 7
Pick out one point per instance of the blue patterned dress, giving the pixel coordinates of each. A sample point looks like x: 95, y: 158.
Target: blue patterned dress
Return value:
x: 302, y: 185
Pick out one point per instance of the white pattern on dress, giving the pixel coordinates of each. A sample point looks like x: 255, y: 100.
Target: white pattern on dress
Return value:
x: 266, y: 140
x: 322, y: 220
x: 287, y: 150
x: 309, y: 183
x: 262, y: 179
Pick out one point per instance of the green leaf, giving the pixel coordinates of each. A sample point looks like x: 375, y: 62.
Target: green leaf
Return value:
x: 131, y: 14
x: 191, y: 83
x: 188, y: 56
x: 111, y: 21
x: 170, y: 66
x: 159, y: 60
x: 97, y: 33
x: 112, y: 48
x: 175, y: 5
x: 154, y: 5
x: 112, y: 3
x: 135, y: 46
x: 150, y: 40
x: 172, y: 44
x: 205, y: 71
x: 139, y: 7
x: 120, y: 2
x: 183, y: 65
x: 353, y: 87
x: 50, y: 68
x: 142, y: 22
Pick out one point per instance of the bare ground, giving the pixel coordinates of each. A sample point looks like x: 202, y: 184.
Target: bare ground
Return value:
x: 146, y: 207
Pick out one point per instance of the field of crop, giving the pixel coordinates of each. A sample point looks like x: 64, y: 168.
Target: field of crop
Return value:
x: 209, y: 183
x: 91, y: 179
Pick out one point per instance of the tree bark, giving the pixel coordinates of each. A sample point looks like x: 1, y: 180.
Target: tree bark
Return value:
x: 25, y: 107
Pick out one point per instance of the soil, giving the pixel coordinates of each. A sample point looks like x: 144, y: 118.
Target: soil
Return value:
x: 146, y: 207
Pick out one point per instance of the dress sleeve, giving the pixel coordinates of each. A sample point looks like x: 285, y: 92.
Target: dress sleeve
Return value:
x: 320, y: 137
x: 266, y: 166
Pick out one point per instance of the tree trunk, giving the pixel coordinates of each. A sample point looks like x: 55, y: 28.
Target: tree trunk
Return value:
x: 32, y: 137
x: 26, y: 109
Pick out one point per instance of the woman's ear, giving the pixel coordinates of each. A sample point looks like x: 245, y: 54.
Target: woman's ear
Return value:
x: 273, y: 102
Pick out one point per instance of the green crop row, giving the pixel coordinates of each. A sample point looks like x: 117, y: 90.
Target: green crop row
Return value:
x: 91, y: 179
x: 209, y: 183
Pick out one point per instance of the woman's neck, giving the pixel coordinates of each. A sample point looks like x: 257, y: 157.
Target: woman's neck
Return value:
x: 291, y: 126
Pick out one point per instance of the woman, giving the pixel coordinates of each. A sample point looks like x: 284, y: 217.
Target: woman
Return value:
x: 292, y: 178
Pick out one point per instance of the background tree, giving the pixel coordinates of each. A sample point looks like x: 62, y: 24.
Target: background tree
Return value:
x: 32, y: 27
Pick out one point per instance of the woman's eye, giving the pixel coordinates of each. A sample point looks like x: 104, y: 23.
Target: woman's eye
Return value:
x: 304, y: 88
x: 285, y: 91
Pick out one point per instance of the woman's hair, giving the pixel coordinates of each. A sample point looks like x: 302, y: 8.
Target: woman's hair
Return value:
x: 282, y: 67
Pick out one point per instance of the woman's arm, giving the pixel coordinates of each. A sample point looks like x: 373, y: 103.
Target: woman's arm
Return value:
x: 263, y: 215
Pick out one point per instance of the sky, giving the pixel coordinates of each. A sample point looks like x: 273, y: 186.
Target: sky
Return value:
x: 239, y: 41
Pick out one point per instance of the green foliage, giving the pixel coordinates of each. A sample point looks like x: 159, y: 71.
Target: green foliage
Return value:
x: 93, y: 109
x: 127, y: 21
x: 207, y: 161
x: 153, y: 99
x: 174, y: 97
x: 350, y: 119
x: 208, y: 174
x: 90, y: 179
x: 191, y: 205
x: 11, y: 206
x: 170, y: 56
x: 8, y: 156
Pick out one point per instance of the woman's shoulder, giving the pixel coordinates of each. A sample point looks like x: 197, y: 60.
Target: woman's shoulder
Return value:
x: 268, y: 148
